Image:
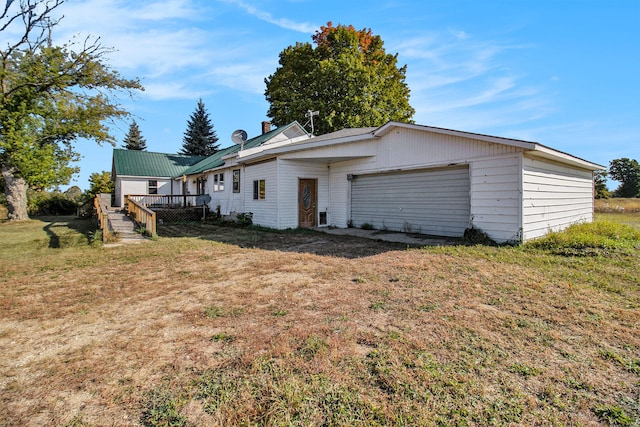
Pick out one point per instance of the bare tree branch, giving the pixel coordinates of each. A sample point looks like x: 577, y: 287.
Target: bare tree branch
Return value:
x: 35, y: 16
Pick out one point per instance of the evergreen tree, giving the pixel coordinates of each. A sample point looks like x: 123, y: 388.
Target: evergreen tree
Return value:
x: 200, y: 138
x: 134, y: 139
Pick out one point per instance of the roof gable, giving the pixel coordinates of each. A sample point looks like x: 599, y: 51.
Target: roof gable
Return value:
x: 218, y: 159
x: 347, y: 136
x: 148, y: 163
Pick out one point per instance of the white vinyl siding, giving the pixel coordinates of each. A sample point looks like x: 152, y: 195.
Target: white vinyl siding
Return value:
x: 434, y: 201
x: 289, y: 172
x: 139, y: 185
x: 265, y: 212
x: 411, y: 149
x: 225, y: 197
x: 496, y: 197
x: 554, y: 196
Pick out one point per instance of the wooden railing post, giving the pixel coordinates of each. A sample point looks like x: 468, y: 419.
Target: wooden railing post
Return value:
x: 102, y: 210
x: 142, y: 215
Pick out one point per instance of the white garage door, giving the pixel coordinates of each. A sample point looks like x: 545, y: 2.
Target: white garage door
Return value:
x: 434, y: 201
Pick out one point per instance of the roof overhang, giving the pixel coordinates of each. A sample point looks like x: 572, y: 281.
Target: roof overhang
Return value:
x: 309, y: 149
x: 533, y: 148
x: 558, y: 156
x: 307, y: 145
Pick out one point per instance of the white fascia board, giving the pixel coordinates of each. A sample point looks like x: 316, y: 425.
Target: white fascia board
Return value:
x: 229, y: 156
x: 301, y: 146
x: 549, y: 153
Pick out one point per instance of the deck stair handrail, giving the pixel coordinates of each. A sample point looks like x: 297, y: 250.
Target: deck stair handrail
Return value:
x: 166, y: 201
x: 141, y: 214
x: 102, y: 202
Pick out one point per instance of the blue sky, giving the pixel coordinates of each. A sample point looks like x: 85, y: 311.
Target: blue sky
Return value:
x: 564, y: 73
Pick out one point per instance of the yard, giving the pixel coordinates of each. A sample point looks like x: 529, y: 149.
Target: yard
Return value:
x: 227, y: 326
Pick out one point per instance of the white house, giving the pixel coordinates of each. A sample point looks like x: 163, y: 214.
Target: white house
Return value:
x: 144, y: 172
x: 401, y: 177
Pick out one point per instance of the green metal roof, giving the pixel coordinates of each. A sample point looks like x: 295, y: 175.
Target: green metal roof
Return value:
x: 146, y: 163
x: 215, y: 160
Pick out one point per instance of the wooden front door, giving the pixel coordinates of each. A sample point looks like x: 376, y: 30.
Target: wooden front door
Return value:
x: 307, y: 201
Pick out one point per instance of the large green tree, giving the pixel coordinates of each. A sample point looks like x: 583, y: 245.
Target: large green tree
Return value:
x: 134, y: 139
x: 50, y: 96
x: 347, y: 77
x: 627, y: 172
x: 199, y: 139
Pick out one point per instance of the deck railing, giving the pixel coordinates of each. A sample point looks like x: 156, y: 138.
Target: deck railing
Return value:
x: 141, y: 214
x: 101, y: 202
x: 167, y: 201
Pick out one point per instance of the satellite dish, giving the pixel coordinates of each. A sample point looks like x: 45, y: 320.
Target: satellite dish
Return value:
x: 239, y: 136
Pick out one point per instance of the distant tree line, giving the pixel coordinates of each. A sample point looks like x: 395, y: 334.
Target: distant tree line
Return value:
x: 626, y: 172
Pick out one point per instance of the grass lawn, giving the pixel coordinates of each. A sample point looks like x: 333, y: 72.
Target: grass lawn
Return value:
x: 251, y: 327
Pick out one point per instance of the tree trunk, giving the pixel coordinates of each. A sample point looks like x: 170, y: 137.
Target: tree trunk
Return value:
x: 16, y: 192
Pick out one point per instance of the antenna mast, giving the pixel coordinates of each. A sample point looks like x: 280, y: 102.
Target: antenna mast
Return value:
x: 310, y: 115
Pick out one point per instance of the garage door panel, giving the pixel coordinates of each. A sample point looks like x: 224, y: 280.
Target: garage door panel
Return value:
x: 430, y: 201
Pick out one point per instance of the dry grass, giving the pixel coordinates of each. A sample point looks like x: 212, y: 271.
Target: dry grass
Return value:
x: 617, y: 205
x: 249, y: 327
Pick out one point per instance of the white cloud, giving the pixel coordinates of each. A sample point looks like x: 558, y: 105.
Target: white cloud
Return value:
x: 459, y: 81
x: 171, y: 90
x: 287, y: 24
x: 169, y: 44
x: 247, y: 77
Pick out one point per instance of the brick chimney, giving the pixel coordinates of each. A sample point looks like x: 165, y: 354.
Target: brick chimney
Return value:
x: 266, y: 127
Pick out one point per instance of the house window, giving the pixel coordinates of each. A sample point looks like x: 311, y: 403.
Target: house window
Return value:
x: 218, y: 182
x: 236, y: 180
x: 259, y: 189
x: 152, y: 187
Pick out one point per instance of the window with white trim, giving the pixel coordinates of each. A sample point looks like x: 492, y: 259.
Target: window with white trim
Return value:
x: 259, y: 189
x: 218, y: 182
x: 236, y: 180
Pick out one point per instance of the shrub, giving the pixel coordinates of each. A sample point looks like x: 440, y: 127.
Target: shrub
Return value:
x: 42, y: 203
x: 475, y: 236
x: 245, y: 219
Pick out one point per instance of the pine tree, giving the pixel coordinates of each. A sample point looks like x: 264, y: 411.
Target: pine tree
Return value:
x: 134, y: 139
x: 200, y: 138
